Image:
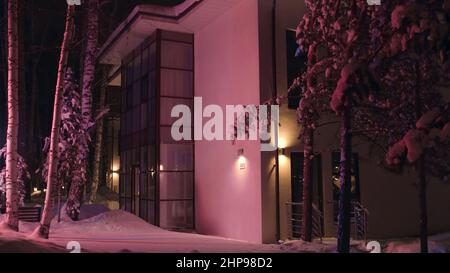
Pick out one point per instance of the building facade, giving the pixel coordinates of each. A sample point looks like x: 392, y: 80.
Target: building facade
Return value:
x: 235, y: 52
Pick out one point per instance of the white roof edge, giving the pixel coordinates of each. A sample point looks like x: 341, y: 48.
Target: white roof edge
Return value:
x: 163, y: 12
x: 173, y: 11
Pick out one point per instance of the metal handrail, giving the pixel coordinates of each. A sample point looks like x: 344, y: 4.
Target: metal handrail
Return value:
x: 359, y: 220
x: 295, y: 220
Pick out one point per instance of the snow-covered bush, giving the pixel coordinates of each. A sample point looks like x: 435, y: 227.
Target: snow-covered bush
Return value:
x: 22, y: 175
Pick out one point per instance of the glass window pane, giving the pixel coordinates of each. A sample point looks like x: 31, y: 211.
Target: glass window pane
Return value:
x: 144, y: 116
x: 145, y: 61
x: 128, y: 204
x: 152, y: 112
x: 136, y: 93
x: 176, y: 214
x: 176, y: 185
x: 128, y: 122
x: 151, y: 212
x: 152, y: 85
x: 137, y: 67
x: 122, y: 185
x: 176, y: 83
x: 176, y: 157
x: 144, y: 88
x: 143, y: 185
x: 136, y: 119
x: 151, y: 136
x: 151, y: 186
x: 151, y: 158
x: 152, y: 59
x: 127, y: 185
x: 129, y: 76
x: 144, y: 158
x: 176, y: 55
x: 129, y: 95
x: 166, y: 108
x: 166, y: 135
x: 143, y: 209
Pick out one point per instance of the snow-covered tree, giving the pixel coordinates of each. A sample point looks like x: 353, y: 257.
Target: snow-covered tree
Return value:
x: 74, y: 138
x: 71, y: 136
x: 76, y: 192
x: 22, y: 175
x: 336, y: 36
x: 42, y: 231
x: 413, y: 68
x: 314, y: 96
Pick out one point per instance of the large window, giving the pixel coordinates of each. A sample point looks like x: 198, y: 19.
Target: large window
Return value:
x: 156, y: 179
x: 336, y: 181
x: 295, y: 60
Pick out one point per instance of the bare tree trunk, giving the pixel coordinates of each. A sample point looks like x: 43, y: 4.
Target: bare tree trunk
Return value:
x: 423, y: 205
x: 307, y: 184
x: 421, y: 169
x: 308, y: 153
x: 98, y: 150
x: 343, y: 244
x: 12, y: 194
x: 42, y: 231
x: 77, y: 187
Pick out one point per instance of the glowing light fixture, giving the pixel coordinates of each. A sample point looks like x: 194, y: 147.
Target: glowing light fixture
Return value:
x: 242, y: 160
x: 282, y: 143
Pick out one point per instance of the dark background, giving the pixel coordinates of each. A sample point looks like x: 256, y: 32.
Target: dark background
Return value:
x: 41, y: 31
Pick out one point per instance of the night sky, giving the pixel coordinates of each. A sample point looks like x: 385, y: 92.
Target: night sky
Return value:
x: 42, y: 26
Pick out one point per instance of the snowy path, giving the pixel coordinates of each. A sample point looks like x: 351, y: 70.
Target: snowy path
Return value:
x: 118, y: 231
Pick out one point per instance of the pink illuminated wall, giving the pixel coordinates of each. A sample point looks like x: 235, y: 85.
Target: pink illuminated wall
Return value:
x: 228, y: 199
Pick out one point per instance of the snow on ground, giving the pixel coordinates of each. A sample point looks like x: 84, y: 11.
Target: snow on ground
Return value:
x: 100, y: 230
x: 437, y: 244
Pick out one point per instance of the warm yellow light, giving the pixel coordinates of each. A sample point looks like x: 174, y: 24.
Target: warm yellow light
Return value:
x: 283, y: 159
x: 242, y: 162
x: 35, y: 189
x: 161, y: 167
x: 116, y: 167
x: 282, y: 143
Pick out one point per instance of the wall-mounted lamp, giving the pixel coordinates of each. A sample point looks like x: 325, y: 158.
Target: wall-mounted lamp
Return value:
x: 242, y: 160
x: 281, y: 151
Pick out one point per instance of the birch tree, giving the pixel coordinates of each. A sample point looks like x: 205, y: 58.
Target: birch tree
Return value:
x: 76, y: 191
x: 12, y: 193
x: 42, y: 231
x: 98, y: 150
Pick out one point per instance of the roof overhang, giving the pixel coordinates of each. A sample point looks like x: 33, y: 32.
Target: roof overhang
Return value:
x: 189, y: 17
